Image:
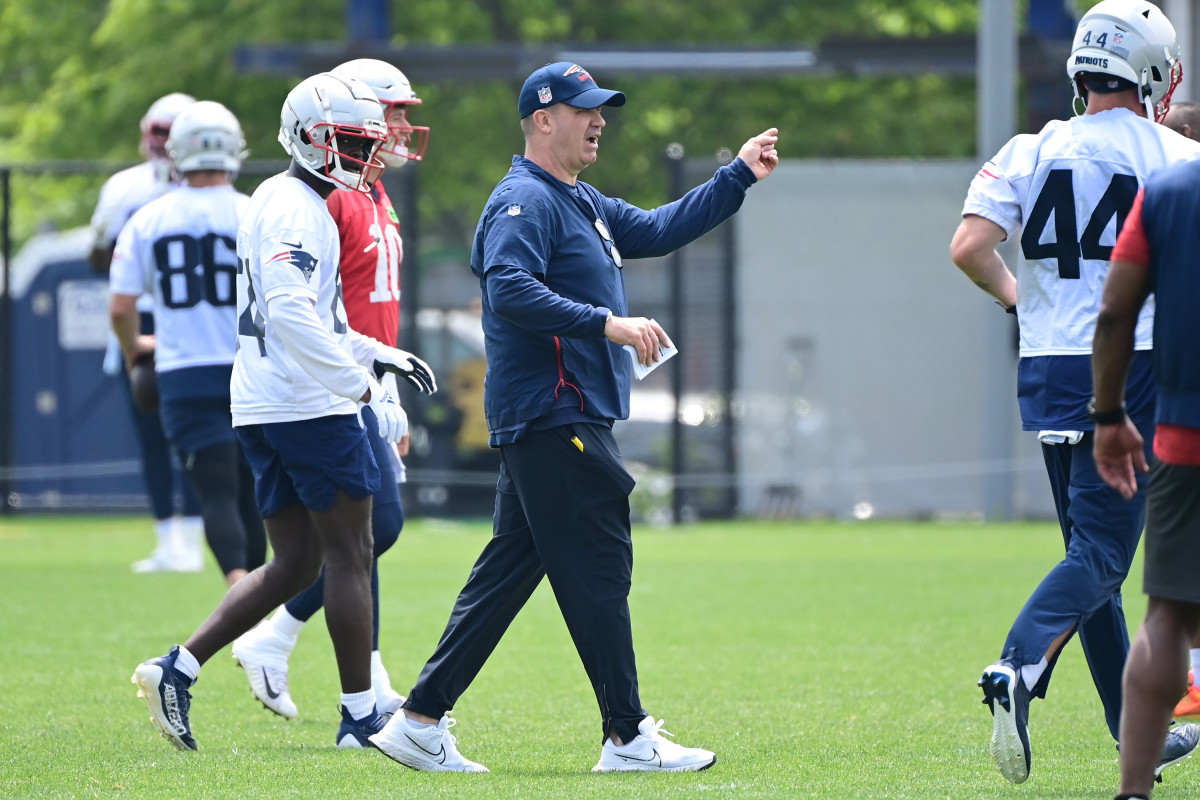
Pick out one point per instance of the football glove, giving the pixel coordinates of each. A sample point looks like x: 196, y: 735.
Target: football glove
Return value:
x: 407, y: 366
x: 390, y: 417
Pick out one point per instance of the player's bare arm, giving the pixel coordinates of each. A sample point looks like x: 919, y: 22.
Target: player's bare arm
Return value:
x: 973, y: 250
x: 1118, y: 448
x: 123, y: 315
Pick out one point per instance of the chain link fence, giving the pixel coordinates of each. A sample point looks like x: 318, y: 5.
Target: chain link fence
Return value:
x: 68, y: 442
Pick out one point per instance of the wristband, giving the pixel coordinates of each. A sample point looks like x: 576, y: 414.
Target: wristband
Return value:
x: 1114, y: 417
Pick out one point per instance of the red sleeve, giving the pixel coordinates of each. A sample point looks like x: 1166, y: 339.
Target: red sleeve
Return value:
x: 1131, y: 243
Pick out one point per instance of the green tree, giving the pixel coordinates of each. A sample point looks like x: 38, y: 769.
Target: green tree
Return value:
x: 77, y: 75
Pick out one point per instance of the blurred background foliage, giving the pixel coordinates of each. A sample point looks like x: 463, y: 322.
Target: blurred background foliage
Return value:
x: 77, y: 75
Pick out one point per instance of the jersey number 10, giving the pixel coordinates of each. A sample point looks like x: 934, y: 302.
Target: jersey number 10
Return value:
x: 1067, y: 247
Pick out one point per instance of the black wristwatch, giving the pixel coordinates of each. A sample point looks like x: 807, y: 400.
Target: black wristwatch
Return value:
x: 1114, y: 417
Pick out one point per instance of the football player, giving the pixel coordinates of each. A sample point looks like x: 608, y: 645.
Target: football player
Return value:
x: 180, y: 250
x: 300, y: 377
x: 372, y: 251
x: 178, y: 541
x: 1065, y: 192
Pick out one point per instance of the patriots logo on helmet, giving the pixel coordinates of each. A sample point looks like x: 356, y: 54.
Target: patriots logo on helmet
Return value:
x: 298, y: 258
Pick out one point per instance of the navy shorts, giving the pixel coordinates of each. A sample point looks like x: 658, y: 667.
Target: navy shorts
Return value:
x: 195, y: 423
x: 1172, y: 551
x: 307, y: 462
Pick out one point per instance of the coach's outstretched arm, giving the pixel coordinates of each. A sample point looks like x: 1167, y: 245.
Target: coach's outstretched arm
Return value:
x: 759, y: 153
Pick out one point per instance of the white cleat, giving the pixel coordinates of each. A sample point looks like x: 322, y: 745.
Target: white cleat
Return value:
x: 387, y: 699
x: 432, y: 748
x: 161, y: 560
x: 263, y: 656
x: 650, y: 752
x: 189, y: 561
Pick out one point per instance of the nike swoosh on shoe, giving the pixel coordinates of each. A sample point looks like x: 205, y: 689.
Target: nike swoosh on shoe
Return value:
x: 271, y: 693
x: 440, y: 755
x: 654, y: 757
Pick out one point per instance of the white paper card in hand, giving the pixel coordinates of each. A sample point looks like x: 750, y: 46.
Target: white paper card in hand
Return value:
x: 640, y: 370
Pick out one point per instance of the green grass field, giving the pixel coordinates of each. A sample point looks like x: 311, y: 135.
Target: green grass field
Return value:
x: 820, y: 659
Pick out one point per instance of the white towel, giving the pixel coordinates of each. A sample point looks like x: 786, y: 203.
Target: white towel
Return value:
x: 1060, y: 437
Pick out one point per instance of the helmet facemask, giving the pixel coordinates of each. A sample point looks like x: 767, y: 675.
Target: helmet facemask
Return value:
x: 1174, y: 76
x: 350, y: 153
x: 405, y: 142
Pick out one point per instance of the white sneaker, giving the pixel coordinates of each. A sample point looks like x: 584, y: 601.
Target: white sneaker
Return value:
x: 263, y: 654
x: 161, y: 560
x: 186, y: 561
x: 431, y: 748
x: 649, y: 751
x: 155, y: 563
x: 387, y: 699
x: 189, y: 552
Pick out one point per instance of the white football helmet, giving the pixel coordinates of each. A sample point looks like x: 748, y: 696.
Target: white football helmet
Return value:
x: 206, y: 135
x: 156, y: 123
x: 333, y: 127
x: 405, y: 142
x: 1133, y: 40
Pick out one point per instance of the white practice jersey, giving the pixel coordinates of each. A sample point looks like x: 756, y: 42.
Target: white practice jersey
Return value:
x: 181, y: 250
x: 1067, y: 191
x: 122, y: 195
x: 288, y: 249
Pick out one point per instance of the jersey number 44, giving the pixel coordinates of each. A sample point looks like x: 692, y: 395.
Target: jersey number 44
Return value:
x: 1057, y: 198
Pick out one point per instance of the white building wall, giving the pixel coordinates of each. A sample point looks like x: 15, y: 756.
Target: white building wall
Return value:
x: 862, y: 351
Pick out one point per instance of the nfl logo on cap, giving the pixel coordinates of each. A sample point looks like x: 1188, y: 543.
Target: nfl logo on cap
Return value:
x: 544, y: 94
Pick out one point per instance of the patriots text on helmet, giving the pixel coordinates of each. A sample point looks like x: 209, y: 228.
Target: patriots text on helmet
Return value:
x: 1091, y: 61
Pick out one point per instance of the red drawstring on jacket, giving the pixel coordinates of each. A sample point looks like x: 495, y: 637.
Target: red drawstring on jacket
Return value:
x: 562, y: 379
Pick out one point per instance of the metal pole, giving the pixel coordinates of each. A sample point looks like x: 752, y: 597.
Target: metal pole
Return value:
x: 1183, y: 17
x: 7, y: 447
x: 729, y: 322
x: 367, y: 22
x: 675, y: 177
x: 410, y: 279
x: 997, y: 123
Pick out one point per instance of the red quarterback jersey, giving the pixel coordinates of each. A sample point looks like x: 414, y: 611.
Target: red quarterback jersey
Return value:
x: 369, y: 230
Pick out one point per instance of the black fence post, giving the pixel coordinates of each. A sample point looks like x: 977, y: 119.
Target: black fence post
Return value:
x: 675, y: 168
x: 6, y: 340
x: 729, y: 322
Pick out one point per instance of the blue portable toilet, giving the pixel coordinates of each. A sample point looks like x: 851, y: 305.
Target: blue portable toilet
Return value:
x: 73, y: 443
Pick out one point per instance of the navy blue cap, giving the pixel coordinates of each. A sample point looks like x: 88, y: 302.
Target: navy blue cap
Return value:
x: 564, y: 82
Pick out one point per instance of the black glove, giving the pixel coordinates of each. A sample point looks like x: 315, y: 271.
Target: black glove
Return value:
x: 407, y: 366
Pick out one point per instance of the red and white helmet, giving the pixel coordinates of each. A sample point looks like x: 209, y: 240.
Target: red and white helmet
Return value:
x: 405, y: 142
x: 333, y: 127
x: 156, y: 123
x: 1132, y: 40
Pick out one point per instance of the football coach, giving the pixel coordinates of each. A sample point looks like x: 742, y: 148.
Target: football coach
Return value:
x: 549, y: 253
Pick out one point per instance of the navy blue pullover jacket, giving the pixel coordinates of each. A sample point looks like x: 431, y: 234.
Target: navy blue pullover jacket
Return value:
x: 1170, y: 216
x: 549, y: 282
